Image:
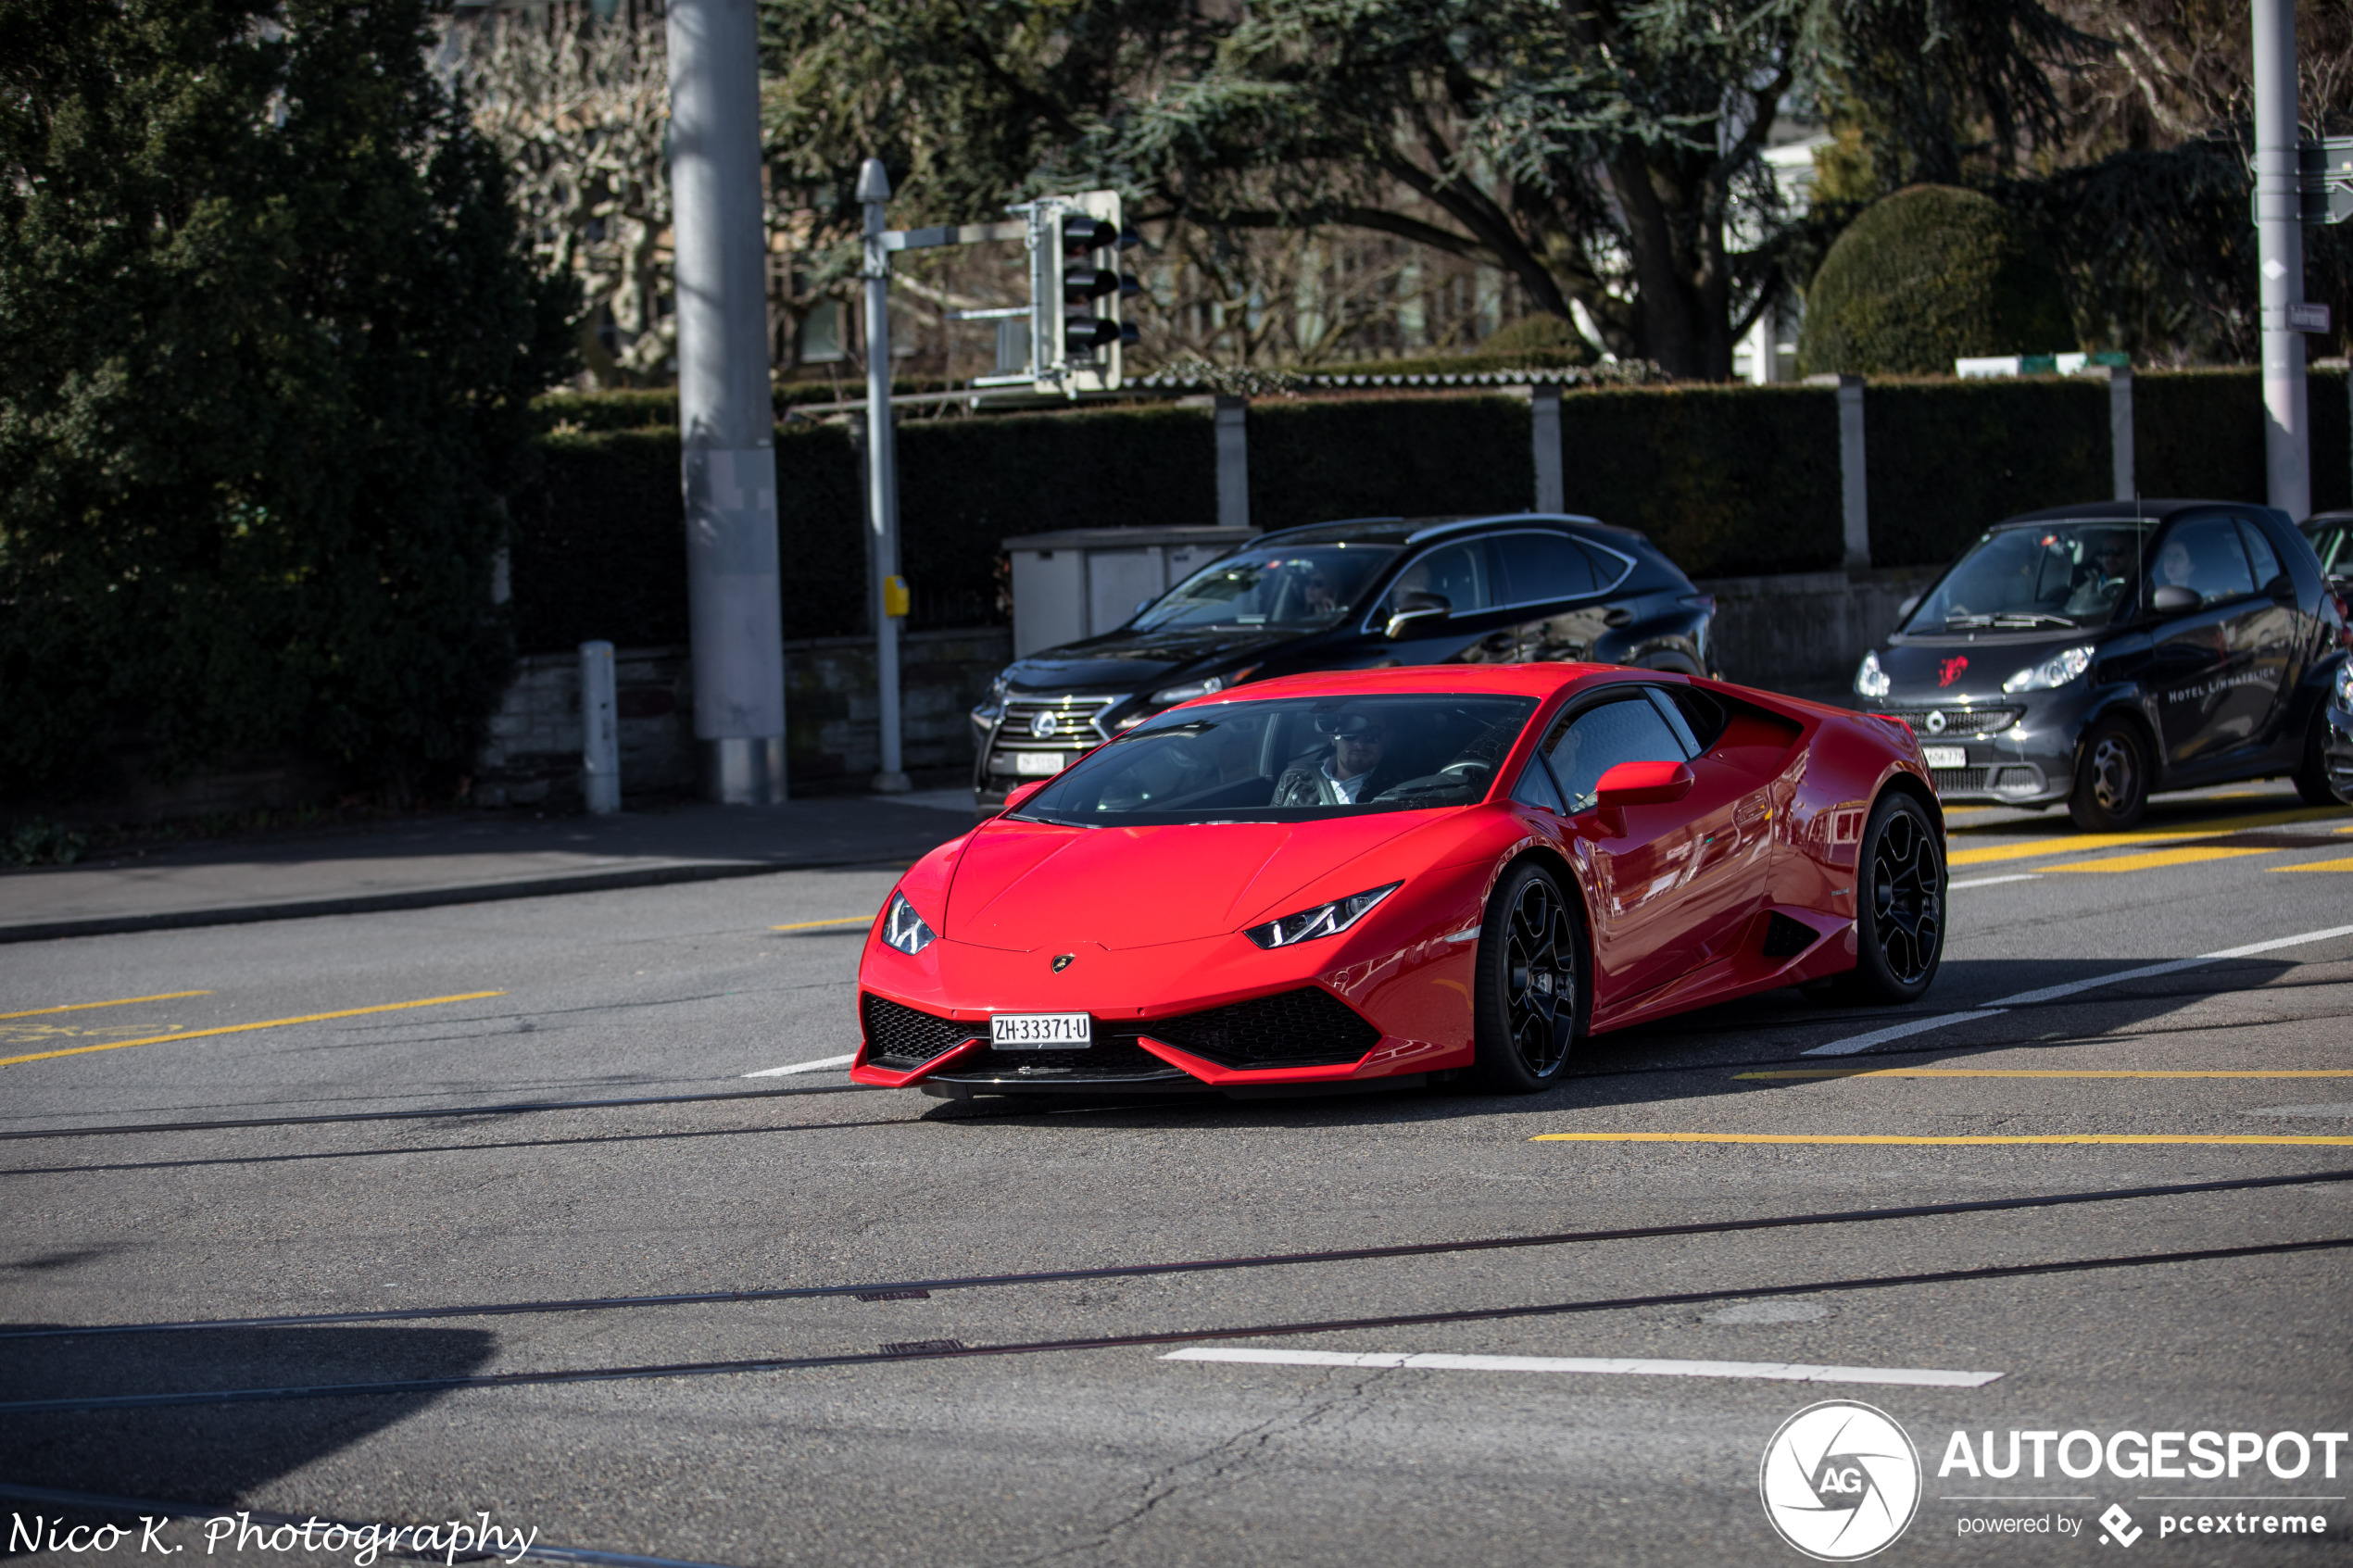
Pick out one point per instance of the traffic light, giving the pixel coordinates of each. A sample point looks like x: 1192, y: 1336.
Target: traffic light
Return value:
x: 1077, y: 290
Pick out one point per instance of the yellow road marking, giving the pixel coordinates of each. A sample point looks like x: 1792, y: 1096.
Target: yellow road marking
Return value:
x: 241, y: 1028
x: 814, y: 924
x: 117, y: 1002
x: 2247, y: 1138
x: 2076, y: 844
x: 2344, y: 865
x: 2041, y: 1073
x: 2154, y: 858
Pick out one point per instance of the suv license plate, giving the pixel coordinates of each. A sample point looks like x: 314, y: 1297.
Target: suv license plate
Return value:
x: 1040, y: 1031
x: 1032, y: 764
x: 1946, y: 756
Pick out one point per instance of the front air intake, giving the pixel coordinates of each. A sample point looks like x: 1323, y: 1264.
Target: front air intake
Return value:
x: 1309, y: 1027
x: 905, y: 1035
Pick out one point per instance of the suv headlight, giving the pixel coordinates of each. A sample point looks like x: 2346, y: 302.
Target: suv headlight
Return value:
x: 2345, y: 685
x: 1869, y: 678
x: 1190, y: 690
x: 903, y: 928
x: 2052, y: 672
x: 1324, y: 920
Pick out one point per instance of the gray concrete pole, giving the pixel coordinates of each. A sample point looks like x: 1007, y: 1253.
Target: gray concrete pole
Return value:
x: 1545, y: 420
x: 2124, y: 480
x: 1232, y: 417
x: 600, y: 731
x: 882, y: 473
x: 726, y: 421
x: 1854, y: 488
x: 2278, y: 242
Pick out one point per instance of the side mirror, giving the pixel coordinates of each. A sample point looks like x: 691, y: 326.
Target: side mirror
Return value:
x: 1418, y: 610
x: 1642, y: 783
x: 1021, y: 794
x: 2173, y: 598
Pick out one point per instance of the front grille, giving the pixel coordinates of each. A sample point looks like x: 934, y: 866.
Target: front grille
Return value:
x: 1308, y: 1027
x: 1958, y: 781
x: 1076, y: 723
x: 905, y: 1035
x: 1112, y: 1057
x: 1957, y: 721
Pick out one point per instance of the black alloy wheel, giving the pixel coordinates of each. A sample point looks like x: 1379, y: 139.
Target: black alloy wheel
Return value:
x: 1530, y: 995
x: 2111, y: 778
x: 2312, y: 775
x: 1900, y: 926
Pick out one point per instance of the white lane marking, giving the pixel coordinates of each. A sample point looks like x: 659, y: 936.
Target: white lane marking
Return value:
x: 1854, y: 1043
x: 1849, y: 1045
x: 804, y: 1066
x: 1994, y: 881
x: 1778, y: 1371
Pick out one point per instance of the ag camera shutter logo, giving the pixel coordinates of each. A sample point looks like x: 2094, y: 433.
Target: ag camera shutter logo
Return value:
x: 1840, y: 1481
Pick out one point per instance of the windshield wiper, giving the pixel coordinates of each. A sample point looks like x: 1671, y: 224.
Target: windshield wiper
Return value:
x: 2033, y: 618
x: 1951, y: 620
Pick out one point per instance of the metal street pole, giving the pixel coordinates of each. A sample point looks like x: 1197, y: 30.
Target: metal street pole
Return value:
x: 726, y: 420
x: 882, y: 473
x: 2278, y: 237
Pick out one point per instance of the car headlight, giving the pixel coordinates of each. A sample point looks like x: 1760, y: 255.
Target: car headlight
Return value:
x: 2345, y: 685
x: 903, y: 928
x: 2052, y: 672
x: 1190, y: 690
x: 1869, y: 678
x: 1324, y: 920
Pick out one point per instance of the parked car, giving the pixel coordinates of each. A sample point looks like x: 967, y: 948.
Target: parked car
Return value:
x: 1347, y: 596
x: 2093, y: 654
x: 1385, y: 877
x: 2331, y: 537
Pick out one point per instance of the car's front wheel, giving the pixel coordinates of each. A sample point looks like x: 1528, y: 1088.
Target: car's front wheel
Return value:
x: 2112, y: 779
x: 1899, y: 930
x: 1531, y: 990
x: 2312, y: 775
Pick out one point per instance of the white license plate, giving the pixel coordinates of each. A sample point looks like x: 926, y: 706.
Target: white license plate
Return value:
x: 1037, y: 763
x: 1040, y: 1031
x: 1946, y: 756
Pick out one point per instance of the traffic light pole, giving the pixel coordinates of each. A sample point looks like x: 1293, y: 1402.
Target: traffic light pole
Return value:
x: 882, y: 473
x: 2279, y: 235
x: 727, y: 462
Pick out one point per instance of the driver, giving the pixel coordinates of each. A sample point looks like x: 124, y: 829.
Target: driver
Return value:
x: 2111, y: 561
x: 1356, y: 767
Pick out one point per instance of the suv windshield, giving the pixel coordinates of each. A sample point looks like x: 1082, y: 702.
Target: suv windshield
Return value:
x: 2047, y: 574
x: 1288, y: 760
x: 1302, y: 585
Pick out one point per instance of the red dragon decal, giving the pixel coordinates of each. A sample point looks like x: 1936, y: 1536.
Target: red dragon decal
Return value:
x: 1950, y: 671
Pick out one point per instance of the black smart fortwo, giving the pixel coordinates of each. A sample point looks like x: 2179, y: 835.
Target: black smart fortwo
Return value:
x: 2094, y: 654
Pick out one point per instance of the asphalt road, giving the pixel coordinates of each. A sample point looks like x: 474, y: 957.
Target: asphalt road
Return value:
x: 988, y: 1438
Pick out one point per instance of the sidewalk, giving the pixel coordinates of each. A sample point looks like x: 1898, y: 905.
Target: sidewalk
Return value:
x: 467, y: 859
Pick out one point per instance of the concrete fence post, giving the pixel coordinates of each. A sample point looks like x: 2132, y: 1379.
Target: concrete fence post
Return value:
x: 600, y: 731
x: 1853, y: 492
x: 2119, y: 431
x: 1233, y: 462
x: 1544, y: 427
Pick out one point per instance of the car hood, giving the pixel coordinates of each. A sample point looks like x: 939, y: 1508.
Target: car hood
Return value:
x: 1024, y: 886
x: 1134, y: 660
x: 1924, y: 672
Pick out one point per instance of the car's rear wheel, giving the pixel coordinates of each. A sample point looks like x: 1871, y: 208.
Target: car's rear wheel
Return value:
x: 2312, y: 775
x: 1899, y: 929
x: 2111, y: 778
x: 1531, y: 991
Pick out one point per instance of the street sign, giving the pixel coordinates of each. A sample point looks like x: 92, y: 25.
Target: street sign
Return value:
x: 2324, y: 180
x: 2308, y: 318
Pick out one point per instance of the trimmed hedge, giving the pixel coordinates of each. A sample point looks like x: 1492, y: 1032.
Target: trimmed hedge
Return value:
x: 1943, y: 458
x: 2200, y: 432
x: 1316, y: 460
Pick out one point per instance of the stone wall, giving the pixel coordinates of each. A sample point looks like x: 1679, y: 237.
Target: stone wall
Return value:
x: 1805, y: 632
x: 533, y: 753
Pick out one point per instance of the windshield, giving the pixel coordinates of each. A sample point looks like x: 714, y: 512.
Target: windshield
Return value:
x: 2332, y: 542
x: 2051, y: 574
x: 1303, y: 585
x: 1290, y: 760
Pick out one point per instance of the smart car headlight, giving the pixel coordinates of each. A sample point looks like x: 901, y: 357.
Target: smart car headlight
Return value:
x: 1869, y: 678
x: 1324, y: 920
x: 2052, y: 672
x: 903, y: 928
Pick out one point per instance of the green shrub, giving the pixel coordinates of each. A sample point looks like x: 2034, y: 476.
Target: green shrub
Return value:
x: 2199, y: 433
x: 1928, y: 275
x: 1314, y: 460
x: 1943, y: 458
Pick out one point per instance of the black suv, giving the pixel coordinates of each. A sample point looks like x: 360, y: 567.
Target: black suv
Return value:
x: 2093, y: 654
x: 1349, y: 596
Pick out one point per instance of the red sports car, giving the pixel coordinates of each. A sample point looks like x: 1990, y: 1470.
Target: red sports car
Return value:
x: 1405, y: 875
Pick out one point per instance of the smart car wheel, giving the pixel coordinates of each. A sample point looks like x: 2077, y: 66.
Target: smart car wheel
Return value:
x: 2313, y: 777
x: 1530, y: 993
x: 1900, y: 926
x: 2112, y: 779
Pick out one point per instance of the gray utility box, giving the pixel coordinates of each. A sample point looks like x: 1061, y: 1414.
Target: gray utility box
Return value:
x: 1082, y: 581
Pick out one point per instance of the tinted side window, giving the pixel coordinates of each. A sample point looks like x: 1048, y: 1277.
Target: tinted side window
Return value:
x: 2334, y: 546
x: 2259, y: 551
x: 1703, y: 714
x: 1457, y: 572
x: 1675, y: 720
x: 2203, y: 554
x: 1600, y: 738
x: 1535, y: 787
x: 1541, y: 567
